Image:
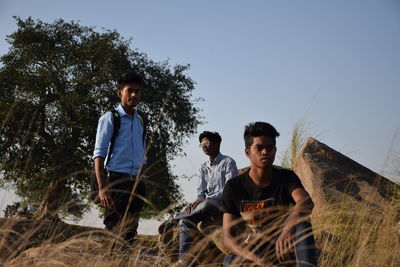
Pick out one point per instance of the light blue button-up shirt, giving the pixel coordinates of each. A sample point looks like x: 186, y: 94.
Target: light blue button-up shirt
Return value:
x: 128, y: 154
x: 213, y: 176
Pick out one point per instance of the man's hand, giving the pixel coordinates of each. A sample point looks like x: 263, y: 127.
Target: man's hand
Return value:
x: 284, y: 244
x: 303, y: 207
x: 105, y: 198
x: 192, y: 206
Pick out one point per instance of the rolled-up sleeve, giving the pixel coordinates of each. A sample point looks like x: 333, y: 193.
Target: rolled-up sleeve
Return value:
x: 202, y: 185
x: 103, y: 135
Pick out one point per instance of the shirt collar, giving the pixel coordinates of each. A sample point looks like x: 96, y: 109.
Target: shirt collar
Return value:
x: 122, y: 112
x: 216, y: 161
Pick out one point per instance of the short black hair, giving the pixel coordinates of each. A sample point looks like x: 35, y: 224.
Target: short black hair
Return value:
x: 129, y: 77
x: 212, y: 136
x: 256, y: 129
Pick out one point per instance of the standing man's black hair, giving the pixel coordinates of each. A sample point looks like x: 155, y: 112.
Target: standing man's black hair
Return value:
x: 256, y: 129
x: 129, y: 77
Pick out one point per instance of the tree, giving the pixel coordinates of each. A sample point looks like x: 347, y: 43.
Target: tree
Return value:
x: 56, y: 80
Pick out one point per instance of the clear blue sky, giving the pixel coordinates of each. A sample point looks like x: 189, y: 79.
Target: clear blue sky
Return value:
x: 334, y: 63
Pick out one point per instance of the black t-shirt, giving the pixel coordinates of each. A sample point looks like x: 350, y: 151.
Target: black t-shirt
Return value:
x: 256, y: 205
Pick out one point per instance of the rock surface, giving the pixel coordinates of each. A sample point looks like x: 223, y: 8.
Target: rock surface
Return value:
x: 18, y: 235
x: 327, y: 174
x: 68, y: 253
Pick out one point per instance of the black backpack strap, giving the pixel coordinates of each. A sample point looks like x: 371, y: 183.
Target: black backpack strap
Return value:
x: 116, y: 124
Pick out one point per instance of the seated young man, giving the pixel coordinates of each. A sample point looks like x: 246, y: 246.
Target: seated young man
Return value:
x: 261, y: 198
x: 214, y: 173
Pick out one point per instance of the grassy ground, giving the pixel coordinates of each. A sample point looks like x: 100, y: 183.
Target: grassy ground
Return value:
x: 347, y: 232
x: 353, y: 233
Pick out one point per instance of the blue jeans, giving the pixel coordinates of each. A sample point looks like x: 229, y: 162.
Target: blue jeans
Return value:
x: 304, y: 248
x: 187, y: 222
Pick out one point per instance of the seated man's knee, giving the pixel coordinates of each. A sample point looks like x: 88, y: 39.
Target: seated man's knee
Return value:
x: 209, y: 205
x: 303, y: 227
x: 304, y: 235
x: 185, y: 223
x: 204, y: 205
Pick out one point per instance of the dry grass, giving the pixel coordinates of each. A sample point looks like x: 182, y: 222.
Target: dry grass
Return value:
x: 298, y: 138
x: 348, y: 233
x: 351, y: 233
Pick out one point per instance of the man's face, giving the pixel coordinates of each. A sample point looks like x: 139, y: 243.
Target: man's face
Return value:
x: 262, y: 152
x: 130, y: 95
x: 209, y: 148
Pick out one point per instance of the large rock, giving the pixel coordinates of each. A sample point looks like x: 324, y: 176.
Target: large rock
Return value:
x: 86, y: 251
x: 17, y: 235
x: 326, y: 174
x: 74, y: 252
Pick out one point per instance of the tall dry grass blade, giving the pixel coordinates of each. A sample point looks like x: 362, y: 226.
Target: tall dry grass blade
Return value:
x: 298, y: 137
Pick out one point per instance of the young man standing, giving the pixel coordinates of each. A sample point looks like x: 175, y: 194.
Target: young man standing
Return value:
x: 214, y: 173
x: 120, y: 187
x: 260, y: 198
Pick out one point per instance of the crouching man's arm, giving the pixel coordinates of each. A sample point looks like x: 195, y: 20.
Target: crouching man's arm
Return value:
x: 230, y: 241
x: 301, y: 211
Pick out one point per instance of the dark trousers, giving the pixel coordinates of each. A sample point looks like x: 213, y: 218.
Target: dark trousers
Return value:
x: 127, y: 194
x: 188, y: 222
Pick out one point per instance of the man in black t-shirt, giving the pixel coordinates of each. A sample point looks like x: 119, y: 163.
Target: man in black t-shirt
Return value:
x: 260, y: 200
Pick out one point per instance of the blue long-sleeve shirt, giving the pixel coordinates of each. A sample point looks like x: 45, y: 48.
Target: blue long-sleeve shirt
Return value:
x: 128, y: 154
x: 213, y: 176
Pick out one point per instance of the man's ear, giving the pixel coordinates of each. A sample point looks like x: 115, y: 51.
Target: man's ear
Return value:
x: 119, y: 93
x: 246, y: 151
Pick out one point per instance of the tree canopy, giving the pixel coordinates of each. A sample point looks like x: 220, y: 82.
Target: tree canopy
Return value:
x: 56, y: 80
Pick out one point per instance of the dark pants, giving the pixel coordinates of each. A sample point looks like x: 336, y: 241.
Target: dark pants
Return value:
x: 123, y: 216
x: 304, y: 249
x: 188, y: 222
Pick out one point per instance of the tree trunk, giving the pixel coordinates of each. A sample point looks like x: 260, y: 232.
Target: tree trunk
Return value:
x: 48, y: 209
